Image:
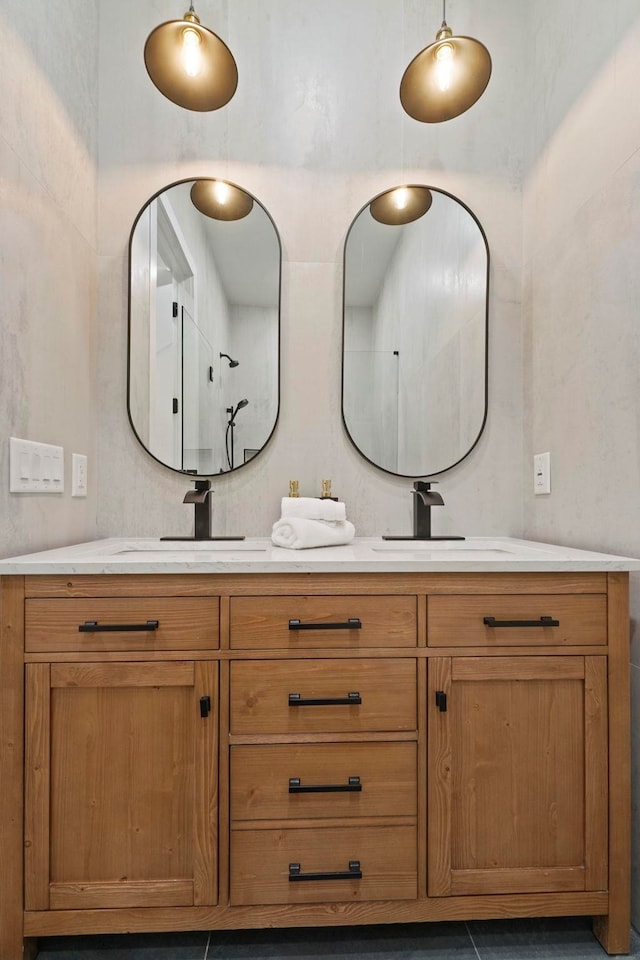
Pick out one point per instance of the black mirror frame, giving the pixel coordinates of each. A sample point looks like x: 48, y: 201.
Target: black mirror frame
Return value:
x: 189, y: 473
x: 434, y: 473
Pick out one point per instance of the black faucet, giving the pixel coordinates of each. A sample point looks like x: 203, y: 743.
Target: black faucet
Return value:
x: 424, y: 499
x: 201, y: 497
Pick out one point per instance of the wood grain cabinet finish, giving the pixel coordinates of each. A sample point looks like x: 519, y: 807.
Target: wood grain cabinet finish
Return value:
x: 351, y: 622
x: 295, y: 781
x: 121, y: 785
x: 315, y: 782
x: 517, y: 775
x: 495, y: 620
x: 222, y: 770
x: 264, y: 861
x: 323, y: 696
x: 122, y: 623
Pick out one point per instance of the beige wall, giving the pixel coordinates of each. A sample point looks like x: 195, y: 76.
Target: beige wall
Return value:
x: 582, y: 294
x: 48, y: 203
x: 315, y: 130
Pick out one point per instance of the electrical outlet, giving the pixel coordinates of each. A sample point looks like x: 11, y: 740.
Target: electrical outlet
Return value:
x: 542, y: 473
x: 78, y: 475
x: 35, y: 467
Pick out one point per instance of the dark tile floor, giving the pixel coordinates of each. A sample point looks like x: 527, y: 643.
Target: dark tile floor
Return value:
x: 546, y: 939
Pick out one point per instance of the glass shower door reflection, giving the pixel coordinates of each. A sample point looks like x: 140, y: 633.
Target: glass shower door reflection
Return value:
x: 197, y: 398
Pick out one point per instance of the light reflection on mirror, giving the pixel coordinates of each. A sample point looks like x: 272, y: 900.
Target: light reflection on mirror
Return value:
x: 415, y: 318
x: 204, y: 322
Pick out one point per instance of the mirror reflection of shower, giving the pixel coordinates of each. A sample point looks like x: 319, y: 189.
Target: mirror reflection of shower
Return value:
x: 228, y: 438
x: 232, y: 363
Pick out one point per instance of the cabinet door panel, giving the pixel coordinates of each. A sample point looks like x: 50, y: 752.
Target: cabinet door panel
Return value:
x: 120, y: 785
x: 517, y: 789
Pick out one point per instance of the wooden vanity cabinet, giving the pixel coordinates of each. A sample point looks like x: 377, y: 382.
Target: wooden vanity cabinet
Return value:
x: 121, y: 751
x: 347, y: 829
x: 517, y: 776
x: 300, y: 750
x: 121, y: 785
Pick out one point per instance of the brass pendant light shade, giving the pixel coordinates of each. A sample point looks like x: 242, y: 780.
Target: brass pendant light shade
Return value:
x: 401, y: 205
x: 190, y: 65
x: 446, y: 78
x: 221, y: 200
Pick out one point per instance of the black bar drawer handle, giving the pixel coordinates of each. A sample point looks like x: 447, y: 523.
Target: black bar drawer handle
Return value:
x: 353, y: 873
x: 92, y: 626
x: 354, y: 623
x: 295, y: 700
x: 542, y: 622
x: 353, y: 785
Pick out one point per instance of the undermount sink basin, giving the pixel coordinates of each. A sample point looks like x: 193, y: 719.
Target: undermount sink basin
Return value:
x: 441, y: 545
x: 460, y: 554
x: 453, y: 549
x: 155, y: 547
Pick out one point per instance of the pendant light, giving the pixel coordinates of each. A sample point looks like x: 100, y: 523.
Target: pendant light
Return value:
x: 401, y: 205
x: 190, y: 65
x: 221, y: 200
x: 446, y: 78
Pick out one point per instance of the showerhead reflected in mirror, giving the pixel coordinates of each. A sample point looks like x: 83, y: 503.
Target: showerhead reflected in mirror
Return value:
x: 204, y: 328
x: 229, y: 442
x: 414, y: 371
x: 232, y: 363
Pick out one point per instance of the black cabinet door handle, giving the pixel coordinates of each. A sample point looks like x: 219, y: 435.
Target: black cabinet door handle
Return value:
x: 441, y: 701
x: 353, y: 785
x: 205, y: 706
x: 92, y: 626
x: 542, y: 622
x: 354, y: 623
x: 295, y: 700
x: 353, y: 873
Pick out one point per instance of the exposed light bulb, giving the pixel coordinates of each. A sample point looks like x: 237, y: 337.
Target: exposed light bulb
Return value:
x: 444, y: 66
x: 221, y: 192
x: 191, y: 52
x: 400, y: 198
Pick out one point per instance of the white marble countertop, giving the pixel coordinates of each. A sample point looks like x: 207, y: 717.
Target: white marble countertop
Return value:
x: 363, y: 555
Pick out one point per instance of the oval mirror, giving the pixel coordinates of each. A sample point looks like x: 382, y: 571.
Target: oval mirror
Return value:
x: 415, y: 316
x: 204, y: 326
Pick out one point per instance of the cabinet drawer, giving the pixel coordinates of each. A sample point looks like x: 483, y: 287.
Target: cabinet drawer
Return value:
x: 294, y: 781
x: 519, y: 620
x: 270, y: 623
x: 262, y: 862
x: 321, y: 696
x: 183, y: 623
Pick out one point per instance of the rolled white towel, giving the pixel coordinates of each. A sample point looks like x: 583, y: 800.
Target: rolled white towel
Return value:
x: 312, y: 508
x: 298, y: 533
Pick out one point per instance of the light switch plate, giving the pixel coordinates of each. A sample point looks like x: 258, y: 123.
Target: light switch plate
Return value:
x: 78, y: 475
x: 542, y: 473
x: 35, y: 467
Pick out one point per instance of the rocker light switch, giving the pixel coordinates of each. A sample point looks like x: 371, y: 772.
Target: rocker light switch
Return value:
x: 35, y: 467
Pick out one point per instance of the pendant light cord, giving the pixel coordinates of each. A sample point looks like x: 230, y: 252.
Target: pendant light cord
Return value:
x: 444, y: 11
